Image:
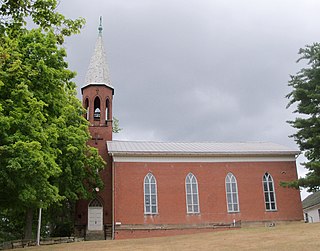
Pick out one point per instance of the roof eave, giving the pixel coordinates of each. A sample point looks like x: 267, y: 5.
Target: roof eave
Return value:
x: 97, y: 84
x: 310, y: 206
x: 197, y: 154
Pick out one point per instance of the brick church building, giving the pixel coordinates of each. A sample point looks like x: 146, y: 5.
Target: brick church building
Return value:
x: 157, y: 188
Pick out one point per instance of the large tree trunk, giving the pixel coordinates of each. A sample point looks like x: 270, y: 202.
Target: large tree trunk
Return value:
x: 28, y: 226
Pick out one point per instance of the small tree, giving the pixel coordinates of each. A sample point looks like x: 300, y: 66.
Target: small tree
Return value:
x: 306, y: 95
x: 115, y: 125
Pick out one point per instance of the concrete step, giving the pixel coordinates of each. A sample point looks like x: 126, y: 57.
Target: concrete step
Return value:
x: 94, y: 235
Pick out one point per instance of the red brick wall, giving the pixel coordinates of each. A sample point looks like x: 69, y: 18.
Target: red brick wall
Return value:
x: 129, y: 203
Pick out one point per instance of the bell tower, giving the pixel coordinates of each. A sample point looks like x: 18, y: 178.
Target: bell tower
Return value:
x: 97, y: 96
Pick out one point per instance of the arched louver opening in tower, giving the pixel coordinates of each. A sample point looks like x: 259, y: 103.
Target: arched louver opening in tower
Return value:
x: 86, y: 106
x: 107, y: 111
x: 97, y: 111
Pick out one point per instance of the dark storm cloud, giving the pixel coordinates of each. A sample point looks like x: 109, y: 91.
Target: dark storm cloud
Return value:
x: 197, y: 70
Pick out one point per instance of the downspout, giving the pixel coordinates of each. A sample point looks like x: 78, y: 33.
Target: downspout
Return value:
x: 113, y: 199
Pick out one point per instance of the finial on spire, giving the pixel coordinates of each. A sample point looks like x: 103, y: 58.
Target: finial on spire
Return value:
x: 100, y: 26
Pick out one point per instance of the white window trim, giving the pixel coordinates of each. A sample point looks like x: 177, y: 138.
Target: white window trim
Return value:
x: 230, y: 175
x: 268, y: 191
x: 192, y: 202
x: 149, y: 176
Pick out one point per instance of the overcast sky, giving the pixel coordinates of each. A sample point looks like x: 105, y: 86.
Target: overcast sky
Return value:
x: 198, y: 70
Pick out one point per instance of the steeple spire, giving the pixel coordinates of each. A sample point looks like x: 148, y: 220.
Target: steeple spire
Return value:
x: 98, y: 72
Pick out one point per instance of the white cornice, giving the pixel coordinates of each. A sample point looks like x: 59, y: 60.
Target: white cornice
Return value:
x: 202, y: 159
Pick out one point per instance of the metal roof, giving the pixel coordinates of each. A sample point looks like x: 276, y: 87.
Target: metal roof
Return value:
x: 311, y: 200
x: 98, y: 72
x: 202, y: 148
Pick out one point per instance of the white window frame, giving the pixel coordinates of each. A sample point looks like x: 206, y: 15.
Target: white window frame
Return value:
x: 233, y: 206
x: 149, y: 194
x: 194, y: 195
x: 268, y: 189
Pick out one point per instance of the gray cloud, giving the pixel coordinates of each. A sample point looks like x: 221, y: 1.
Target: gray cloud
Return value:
x: 198, y: 70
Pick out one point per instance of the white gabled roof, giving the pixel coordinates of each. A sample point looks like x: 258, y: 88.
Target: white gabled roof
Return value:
x: 312, y: 200
x: 204, y: 148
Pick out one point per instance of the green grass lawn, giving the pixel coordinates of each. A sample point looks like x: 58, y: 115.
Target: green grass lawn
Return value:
x: 294, y: 236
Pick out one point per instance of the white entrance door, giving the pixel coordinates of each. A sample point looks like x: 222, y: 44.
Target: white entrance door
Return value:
x: 95, y: 218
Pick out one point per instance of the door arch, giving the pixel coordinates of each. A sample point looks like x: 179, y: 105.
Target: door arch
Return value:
x: 95, y: 215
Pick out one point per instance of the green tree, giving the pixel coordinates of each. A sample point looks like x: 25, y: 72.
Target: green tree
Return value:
x: 306, y: 96
x: 115, y: 125
x: 44, y: 159
x: 14, y: 13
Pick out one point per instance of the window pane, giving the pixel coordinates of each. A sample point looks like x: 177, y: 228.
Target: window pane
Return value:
x: 272, y: 197
x: 154, y: 209
x: 147, y: 199
x: 266, y: 197
x: 195, y: 198
x: 153, y: 188
x: 194, y: 188
x: 190, y: 209
x: 229, y: 207
x: 188, y: 186
x: 195, y: 209
x: 273, y: 206
x: 146, y: 188
x: 270, y: 186
x: 229, y: 198
x: 265, y: 186
x: 228, y: 187
x: 189, y: 201
x: 267, y: 206
x: 234, y: 189
x: 234, y: 197
x: 147, y: 209
x: 235, y: 207
x: 153, y: 200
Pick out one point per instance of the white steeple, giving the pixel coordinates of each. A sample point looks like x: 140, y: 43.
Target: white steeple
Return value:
x: 98, y: 72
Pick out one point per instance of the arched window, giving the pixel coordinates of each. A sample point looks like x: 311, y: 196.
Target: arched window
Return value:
x: 232, y: 193
x: 107, y: 110
x: 192, y: 196
x: 269, y: 192
x: 86, y: 106
x: 97, y: 111
x: 150, y: 194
